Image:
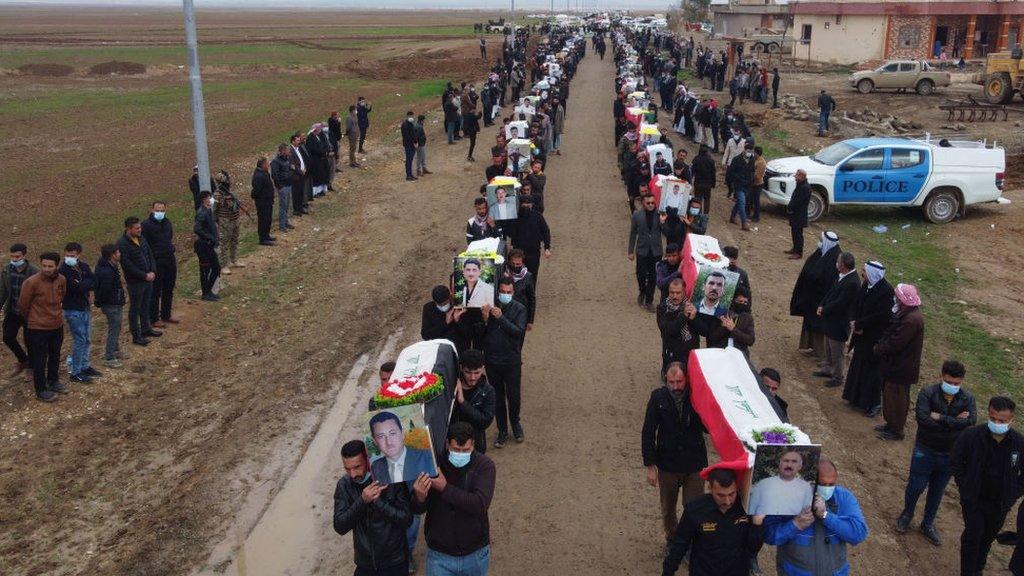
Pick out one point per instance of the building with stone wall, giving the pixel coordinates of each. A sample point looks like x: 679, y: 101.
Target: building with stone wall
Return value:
x: 851, y: 31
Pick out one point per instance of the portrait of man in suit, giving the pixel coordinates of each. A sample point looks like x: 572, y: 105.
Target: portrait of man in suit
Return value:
x: 398, y: 462
x: 503, y: 203
x: 714, y: 290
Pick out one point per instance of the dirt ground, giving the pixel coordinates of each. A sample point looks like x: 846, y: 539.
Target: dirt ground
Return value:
x: 191, y: 459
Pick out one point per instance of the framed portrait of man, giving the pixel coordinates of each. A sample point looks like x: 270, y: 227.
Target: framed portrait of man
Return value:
x: 474, y: 281
x: 713, y: 292
x: 502, y: 201
x: 675, y: 193
x: 399, y: 445
x: 517, y: 129
x: 783, y: 478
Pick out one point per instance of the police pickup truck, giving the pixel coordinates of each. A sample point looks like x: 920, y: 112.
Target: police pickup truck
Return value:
x: 943, y: 177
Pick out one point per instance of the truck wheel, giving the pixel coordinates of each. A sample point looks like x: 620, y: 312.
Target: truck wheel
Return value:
x: 816, y: 207
x: 925, y: 87
x: 865, y: 86
x: 998, y: 89
x: 941, y: 206
x: 774, y: 48
x: 758, y: 48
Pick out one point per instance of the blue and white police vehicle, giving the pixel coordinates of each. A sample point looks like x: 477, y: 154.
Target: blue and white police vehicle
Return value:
x: 941, y: 176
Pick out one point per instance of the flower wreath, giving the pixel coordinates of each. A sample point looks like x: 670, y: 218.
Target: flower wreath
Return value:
x: 780, y: 434
x: 410, y: 390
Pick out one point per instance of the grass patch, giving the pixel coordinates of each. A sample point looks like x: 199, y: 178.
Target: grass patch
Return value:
x: 429, y: 88
x: 686, y: 75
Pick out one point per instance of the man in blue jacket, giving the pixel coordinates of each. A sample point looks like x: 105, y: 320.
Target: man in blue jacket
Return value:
x: 814, y: 542
x: 80, y: 282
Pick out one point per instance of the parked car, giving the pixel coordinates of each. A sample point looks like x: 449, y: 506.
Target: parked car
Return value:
x: 900, y: 75
x: 943, y: 177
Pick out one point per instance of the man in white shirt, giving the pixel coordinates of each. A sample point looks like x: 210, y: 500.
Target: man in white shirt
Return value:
x: 786, y: 494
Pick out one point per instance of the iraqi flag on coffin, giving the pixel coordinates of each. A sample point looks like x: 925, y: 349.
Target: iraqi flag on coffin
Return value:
x: 425, y: 373
x: 732, y: 406
x: 635, y: 115
x: 699, y: 250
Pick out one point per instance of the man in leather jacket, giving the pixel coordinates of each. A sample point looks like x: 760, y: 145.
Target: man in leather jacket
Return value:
x: 376, y: 514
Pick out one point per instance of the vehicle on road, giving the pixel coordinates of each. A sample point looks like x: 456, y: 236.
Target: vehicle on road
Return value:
x: 942, y: 177
x: 900, y: 75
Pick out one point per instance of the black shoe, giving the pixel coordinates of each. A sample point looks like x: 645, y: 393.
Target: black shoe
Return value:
x: 331, y: 188
x: 210, y: 297
x: 833, y: 384
x: 267, y: 243
x: 822, y: 374
x: 410, y: 178
x: 517, y: 433
x: 501, y: 440
x: 903, y: 524
x: 881, y: 428
x: 873, y: 412
x: 289, y: 226
x: 639, y: 299
x: 81, y: 378
x: 60, y: 387
x: 140, y: 341
x: 46, y: 396
x: 153, y: 333
x: 887, y: 435
x: 272, y: 239
x: 92, y: 372
x: 931, y: 534
x: 297, y: 213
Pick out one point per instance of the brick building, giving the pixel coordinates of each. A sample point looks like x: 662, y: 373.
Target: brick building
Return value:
x: 846, y: 32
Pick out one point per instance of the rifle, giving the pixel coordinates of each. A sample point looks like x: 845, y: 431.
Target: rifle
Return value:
x: 241, y: 207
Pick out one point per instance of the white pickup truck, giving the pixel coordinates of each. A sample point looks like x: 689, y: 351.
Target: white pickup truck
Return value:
x: 943, y: 177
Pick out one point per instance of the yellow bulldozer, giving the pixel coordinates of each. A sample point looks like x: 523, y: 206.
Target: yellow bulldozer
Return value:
x: 1004, y: 73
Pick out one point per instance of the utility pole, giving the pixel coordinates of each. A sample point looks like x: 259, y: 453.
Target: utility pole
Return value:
x: 513, y: 16
x: 196, y: 83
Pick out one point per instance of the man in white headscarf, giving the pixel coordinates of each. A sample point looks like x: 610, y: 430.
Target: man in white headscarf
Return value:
x: 816, y: 278
x: 872, y: 312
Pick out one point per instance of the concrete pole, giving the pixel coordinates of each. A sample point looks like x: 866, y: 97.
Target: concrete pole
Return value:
x: 196, y: 83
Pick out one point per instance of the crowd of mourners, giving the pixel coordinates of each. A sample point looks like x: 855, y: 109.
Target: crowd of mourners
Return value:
x: 519, y: 101
x: 848, y: 317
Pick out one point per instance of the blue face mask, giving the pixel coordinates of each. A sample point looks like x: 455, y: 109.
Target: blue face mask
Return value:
x: 71, y: 261
x: 504, y: 298
x: 997, y: 428
x: 949, y: 388
x: 158, y: 216
x: 825, y: 492
x: 459, y: 459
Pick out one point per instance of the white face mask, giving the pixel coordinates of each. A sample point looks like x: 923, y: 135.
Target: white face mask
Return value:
x: 445, y: 308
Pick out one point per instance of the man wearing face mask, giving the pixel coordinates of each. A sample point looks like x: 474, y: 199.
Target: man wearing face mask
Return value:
x: 522, y: 279
x: 11, y: 279
x: 672, y: 446
x: 503, y: 330
x: 943, y: 411
x: 735, y: 328
x: 814, y: 542
x: 456, y: 504
x: 79, y: 281
x: 474, y: 397
x: 740, y: 176
x: 40, y: 302
x: 899, y: 351
x: 871, y: 315
x: 409, y: 143
x: 530, y: 233
x: 441, y: 320
x: 205, y: 246
x: 989, y: 472
x: 376, y: 514
x: 159, y: 234
x: 834, y: 311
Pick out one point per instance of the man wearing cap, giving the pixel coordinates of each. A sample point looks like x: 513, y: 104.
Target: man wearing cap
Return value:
x: 899, y: 351
x: 872, y: 311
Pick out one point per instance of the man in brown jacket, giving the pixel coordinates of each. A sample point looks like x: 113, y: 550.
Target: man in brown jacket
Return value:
x: 899, y: 351
x: 40, y: 302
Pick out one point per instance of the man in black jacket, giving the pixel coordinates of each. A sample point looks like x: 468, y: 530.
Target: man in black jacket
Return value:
x: 740, y: 175
x: 481, y: 225
x: 717, y: 533
x: 139, y: 267
x: 797, y: 211
x: 943, y: 411
x: 377, y: 515
x: 159, y: 233
x: 456, y: 502
x: 529, y: 232
x: 644, y: 247
x: 299, y: 173
x: 675, y: 322
x: 281, y: 174
x: 672, y: 443
x: 525, y: 291
x: 409, y: 143
x: 835, y: 311
x: 80, y: 281
x: 704, y: 174
x: 989, y: 472
x: 109, y: 297
x: 263, y: 194
x: 363, y: 109
x: 441, y: 320
x: 504, y: 327
x: 474, y: 397
x: 334, y: 136
x: 205, y: 246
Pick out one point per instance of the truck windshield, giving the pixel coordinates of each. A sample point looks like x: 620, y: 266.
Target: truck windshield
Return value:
x: 833, y: 154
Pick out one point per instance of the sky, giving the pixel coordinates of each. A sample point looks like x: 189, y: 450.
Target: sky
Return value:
x: 378, y: 4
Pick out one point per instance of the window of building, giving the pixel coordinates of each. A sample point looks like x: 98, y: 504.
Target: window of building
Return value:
x: 805, y: 33
x: 839, y: 19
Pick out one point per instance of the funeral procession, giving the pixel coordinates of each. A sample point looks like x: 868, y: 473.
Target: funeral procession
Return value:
x: 273, y: 302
